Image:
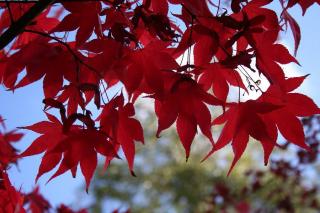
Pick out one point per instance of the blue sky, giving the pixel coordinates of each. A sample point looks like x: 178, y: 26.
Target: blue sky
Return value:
x: 24, y: 107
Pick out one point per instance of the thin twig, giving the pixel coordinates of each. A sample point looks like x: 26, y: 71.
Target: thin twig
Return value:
x: 229, y: 55
x: 219, y: 2
x: 76, y: 57
x: 105, y: 90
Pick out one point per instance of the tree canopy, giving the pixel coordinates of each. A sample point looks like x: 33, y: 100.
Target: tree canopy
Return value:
x: 186, y: 56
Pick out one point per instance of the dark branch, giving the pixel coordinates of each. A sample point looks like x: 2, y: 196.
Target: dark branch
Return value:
x: 18, y: 26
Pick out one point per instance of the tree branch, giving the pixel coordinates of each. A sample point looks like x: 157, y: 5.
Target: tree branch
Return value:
x: 75, y: 56
x: 18, y: 26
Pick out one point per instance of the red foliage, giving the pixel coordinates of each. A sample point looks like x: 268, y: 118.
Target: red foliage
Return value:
x: 287, y: 173
x: 136, y: 43
x: 8, y: 154
x: 71, y: 143
x: 12, y: 200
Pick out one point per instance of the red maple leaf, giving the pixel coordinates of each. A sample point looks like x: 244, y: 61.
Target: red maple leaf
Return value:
x: 116, y: 120
x: 72, y: 143
x: 135, y: 44
x: 51, y: 60
x: 144, y: 73
x: 205, y: 39
x: 85, y: 25
x: 79, y: 95
x: 42, y: 23
x: 304, y: 4
x: 111, y: 69
x: 241, y: 121
x: 184, y: 101
x: 263, y: 118
x: 294, y: 28
x: 218, y: 77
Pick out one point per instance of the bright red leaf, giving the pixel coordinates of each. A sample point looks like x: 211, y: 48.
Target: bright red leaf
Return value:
x: 116, y: 120
x: 73, y: 145
x: 184, y: 101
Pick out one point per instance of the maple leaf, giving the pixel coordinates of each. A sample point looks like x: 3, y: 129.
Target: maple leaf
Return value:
x: 51, y: 60
x: 294, y: 105
x: 241, y: 121
x: 74, y: 98
x: 218, y: 77
x: 294, y: 82
x: 79, y: 95
x: 184, y: 101
x: 69, y: 142
x: 116, y: 120
x: 42, y: 23
x: 205, y: 39
x: 304, y: 4
x: 116, y: 16
x: 135, y: 43
x: 145, y: 69
x: 274, y: 110
x: 294, y: 28
x: 254, y: 20
x: 86, y: 25
x: 247, y: 28
x: 155, y: 22
x: 269, y: 54
x: 112, y: 68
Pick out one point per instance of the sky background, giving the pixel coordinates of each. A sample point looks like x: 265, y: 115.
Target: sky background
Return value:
x: 24, y: 107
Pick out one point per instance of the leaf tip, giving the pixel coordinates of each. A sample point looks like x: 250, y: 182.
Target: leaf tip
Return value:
x: 158, y: 133
x: 132, y: 173
x: 208, y: 155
